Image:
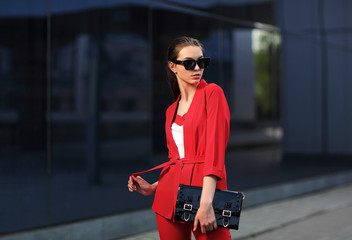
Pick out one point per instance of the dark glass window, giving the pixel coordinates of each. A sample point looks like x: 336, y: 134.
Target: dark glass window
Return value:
x: 101, y: 93
x: 23, y: 129
x: 266, y: 62
x: 84, y: 92
x: 241, y: 12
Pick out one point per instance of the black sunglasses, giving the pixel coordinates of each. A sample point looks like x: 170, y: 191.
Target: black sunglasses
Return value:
x: 190, y: 64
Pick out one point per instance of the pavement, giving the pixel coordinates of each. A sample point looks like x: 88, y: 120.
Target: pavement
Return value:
x: 323, y: 215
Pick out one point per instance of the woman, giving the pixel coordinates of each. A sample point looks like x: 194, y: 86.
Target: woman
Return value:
x: 197, y: 131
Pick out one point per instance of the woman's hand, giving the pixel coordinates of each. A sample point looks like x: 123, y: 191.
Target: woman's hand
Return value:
x: 140, y: 185
x: 205, y: 217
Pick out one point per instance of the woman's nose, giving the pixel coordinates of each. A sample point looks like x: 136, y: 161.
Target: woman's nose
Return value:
x: 196, y: 67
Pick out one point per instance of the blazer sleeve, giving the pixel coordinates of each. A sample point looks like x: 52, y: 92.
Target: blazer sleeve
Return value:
x: 218, y: 128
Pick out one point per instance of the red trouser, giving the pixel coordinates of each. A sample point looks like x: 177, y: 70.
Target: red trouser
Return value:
x: 169, y: 230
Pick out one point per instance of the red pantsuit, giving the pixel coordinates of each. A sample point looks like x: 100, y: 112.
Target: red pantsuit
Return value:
x: 206, y: 132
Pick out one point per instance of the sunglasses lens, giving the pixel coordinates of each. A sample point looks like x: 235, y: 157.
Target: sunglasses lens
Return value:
x: 189, y: 64
x: 203, y: 62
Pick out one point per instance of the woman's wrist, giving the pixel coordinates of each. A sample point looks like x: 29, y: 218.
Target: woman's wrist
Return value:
x: 209, y: 185
x: 152, y: 188
x: 205, y: 203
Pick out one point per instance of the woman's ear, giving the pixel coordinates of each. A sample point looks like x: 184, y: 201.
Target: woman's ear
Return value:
x: 172, y: 66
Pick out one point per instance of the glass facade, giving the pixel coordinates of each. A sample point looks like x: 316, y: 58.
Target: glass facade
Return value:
x: 84, y: 92
x: 24, y: 178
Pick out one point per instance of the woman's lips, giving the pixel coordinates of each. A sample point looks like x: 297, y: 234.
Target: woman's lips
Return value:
x: 196, y: 76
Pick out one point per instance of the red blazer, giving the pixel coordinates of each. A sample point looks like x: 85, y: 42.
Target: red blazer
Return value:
x: 206, y: 132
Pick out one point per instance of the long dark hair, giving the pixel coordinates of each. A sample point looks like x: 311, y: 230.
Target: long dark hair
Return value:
x: 172, y: 53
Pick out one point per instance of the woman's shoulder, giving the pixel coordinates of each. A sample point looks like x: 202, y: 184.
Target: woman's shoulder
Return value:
x: 212, y: 88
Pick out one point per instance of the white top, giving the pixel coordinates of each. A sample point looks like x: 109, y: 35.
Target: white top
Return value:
x: 177, y: 133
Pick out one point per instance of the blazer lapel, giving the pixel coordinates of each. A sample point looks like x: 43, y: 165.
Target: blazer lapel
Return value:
x: 169, y: 119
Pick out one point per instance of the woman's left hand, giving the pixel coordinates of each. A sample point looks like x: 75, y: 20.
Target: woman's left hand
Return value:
x: 140, y: 185
x: 205, y: 217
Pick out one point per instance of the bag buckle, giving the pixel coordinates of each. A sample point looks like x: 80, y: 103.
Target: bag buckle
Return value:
x: 225, y: 222
x: 226, y: 213
x: 186, y: 215
x: 187, y: 207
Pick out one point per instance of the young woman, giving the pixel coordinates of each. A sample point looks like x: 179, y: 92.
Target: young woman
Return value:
x: 197, y: 131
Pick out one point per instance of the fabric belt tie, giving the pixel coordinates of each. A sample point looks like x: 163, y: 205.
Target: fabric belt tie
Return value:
x: 175, y: 175
x: 174, y: 161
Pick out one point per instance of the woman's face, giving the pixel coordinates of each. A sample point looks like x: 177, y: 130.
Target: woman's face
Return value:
x: 184, y: 76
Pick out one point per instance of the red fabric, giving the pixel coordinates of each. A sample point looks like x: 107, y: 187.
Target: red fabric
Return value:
x: 179, y: 120
x: 206, y: 129
x: 169, y: 230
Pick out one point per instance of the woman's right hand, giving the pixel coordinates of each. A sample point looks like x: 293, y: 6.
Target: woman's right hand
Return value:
x: 140, y: 185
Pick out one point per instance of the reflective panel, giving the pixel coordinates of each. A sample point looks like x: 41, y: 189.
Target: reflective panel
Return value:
x: 23, y: 128
x: 84, y: 92
x: 101, y: 110
x: 243, y: 12
x: 266, y: 47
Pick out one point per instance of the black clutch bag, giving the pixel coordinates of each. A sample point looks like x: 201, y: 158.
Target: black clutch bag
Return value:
x: 227, y: 206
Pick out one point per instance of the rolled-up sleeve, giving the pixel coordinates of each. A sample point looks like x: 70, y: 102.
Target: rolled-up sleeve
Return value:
x: 218, y: 128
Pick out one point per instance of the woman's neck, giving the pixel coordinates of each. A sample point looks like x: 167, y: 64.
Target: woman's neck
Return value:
x: 187, y: 91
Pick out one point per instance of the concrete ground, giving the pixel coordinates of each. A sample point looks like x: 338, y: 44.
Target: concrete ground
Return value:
x: 324, y: 215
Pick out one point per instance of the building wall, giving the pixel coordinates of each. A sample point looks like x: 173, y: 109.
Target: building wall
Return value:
x: 316, y: 76
x: 84, y: 92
